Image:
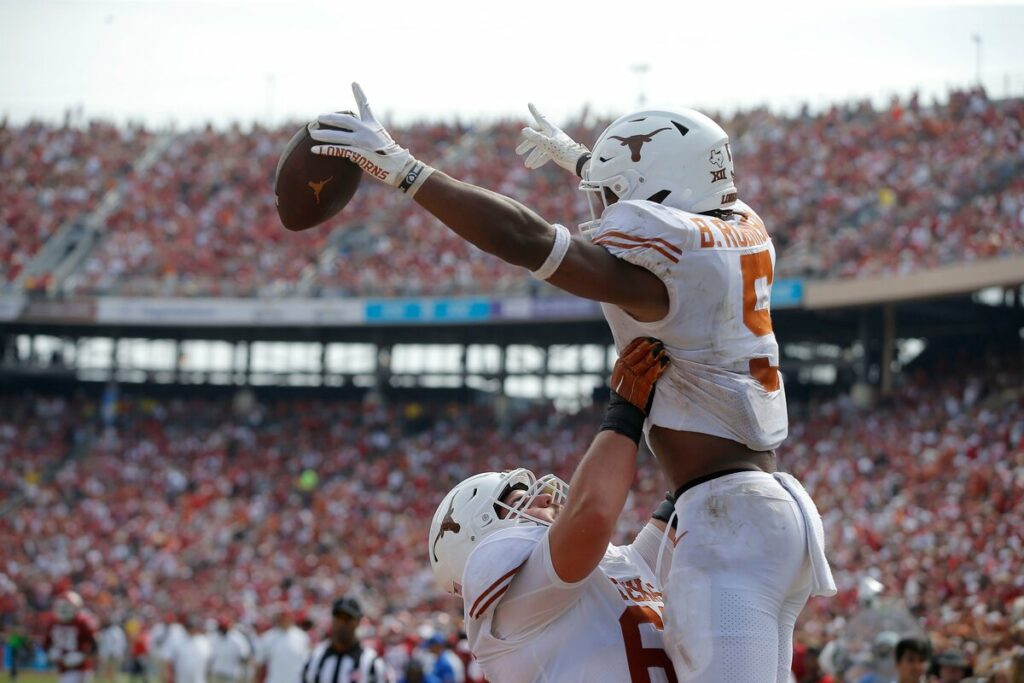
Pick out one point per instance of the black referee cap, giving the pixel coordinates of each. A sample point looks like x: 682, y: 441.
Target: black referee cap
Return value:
x: 346, y: 607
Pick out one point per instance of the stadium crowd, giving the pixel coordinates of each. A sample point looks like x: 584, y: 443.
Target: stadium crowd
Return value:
x: 36, y: 437
x: 53, y: 175
x: 208, y: 508
x: 854, y: 190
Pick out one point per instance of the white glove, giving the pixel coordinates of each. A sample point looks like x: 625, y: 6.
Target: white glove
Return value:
x: 546, y: 141
x: 54, y: 654
x: 73, y: 659
x: 363, y: 140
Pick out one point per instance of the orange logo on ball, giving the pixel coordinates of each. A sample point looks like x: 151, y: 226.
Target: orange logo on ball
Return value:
x: 317, y: 187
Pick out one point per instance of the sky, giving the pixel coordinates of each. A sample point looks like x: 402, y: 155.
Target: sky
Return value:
x: 191, y: 61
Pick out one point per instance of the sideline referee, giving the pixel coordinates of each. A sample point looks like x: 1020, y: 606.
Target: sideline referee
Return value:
x: 341, y: 658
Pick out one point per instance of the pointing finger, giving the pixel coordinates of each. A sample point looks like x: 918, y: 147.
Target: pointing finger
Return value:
x: 364, y: 107
x: 540, y: 118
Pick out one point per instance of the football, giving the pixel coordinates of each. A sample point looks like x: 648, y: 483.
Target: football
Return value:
x: 309, y: 188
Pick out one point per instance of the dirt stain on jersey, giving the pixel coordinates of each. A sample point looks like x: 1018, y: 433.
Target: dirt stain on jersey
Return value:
x: 715, y: 507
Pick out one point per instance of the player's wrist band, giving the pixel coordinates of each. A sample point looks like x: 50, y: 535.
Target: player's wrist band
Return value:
x: 664, y: 511
x: 415, y: 177
x: 623, y: 417
x: 556, y: 255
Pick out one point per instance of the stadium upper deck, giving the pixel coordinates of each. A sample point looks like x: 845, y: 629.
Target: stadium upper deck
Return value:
x: 855, y: 190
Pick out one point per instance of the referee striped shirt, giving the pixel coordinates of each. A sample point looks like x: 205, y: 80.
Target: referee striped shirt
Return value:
x: 358, y: 665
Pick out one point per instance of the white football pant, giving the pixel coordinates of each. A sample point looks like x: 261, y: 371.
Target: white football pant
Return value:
x: 743, y: 567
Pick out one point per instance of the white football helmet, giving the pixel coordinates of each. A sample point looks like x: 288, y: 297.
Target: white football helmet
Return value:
x: 67, y: 606
x: 680, y: 159
x: 470, y: 512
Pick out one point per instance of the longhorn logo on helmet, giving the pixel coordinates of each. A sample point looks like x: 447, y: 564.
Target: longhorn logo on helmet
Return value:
x: 636, y: 142
x: 448, y: 524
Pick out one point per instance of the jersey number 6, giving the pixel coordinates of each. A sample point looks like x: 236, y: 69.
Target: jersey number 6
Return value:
x: 642, y: 659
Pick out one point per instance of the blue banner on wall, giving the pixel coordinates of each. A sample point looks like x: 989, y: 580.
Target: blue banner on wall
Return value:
x: 428, y: 310
x: 35, y: 659
x: 787, y: 293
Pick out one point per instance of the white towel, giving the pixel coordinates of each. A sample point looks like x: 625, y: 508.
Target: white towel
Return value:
x: 821, y: 573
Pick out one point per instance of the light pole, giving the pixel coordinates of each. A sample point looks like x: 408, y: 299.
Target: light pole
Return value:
x: 977, y: 58
x: 640, y: 70
x: 271, y: 81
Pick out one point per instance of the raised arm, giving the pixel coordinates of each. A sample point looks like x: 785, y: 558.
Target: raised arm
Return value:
x: 493, y: 222
x: 580, y: 535
x: 509, y: 230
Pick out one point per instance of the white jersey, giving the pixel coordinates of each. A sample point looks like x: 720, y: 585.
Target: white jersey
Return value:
x: 229, y: 651
x: 283, y: 651
x: 525, y: 624
x: 111, y: 643
x: 724, y: 378
x: 165, y: 639
x: 189, y: 657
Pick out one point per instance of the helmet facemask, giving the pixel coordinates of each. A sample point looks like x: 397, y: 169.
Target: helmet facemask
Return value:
x: 548, y: 484
x: 621, y: 185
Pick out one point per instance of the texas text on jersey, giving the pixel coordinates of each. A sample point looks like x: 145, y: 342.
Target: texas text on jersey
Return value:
x: 526, y: 624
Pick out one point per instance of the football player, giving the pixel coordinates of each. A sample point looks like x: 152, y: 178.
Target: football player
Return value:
x: 671, y: 252
x: 546, y: 597
x: 70, y: 640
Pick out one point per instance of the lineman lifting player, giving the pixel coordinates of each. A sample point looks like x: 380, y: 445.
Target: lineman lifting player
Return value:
x: 545, y: 596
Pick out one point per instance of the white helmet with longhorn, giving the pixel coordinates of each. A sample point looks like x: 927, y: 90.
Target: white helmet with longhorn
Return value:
x: 474, y: 509
x: 680, y: 159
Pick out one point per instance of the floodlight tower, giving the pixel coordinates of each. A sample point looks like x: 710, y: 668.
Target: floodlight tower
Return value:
x: 977, y: 58
x: 640, y: 70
